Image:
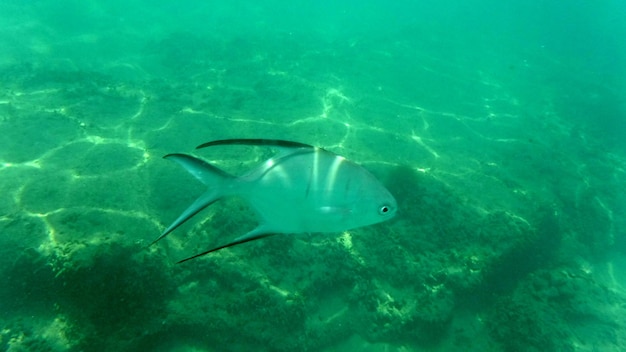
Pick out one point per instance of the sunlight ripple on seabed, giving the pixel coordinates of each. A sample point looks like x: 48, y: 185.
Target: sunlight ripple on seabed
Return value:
x: 508, y: 201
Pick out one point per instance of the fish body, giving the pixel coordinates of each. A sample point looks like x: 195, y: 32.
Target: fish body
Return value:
x: 303, y: 189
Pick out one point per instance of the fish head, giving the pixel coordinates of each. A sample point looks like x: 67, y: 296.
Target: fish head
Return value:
x: 376, y: 204
x: 370, y: 201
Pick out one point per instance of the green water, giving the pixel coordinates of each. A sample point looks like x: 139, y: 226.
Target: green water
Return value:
x: 499, y: 127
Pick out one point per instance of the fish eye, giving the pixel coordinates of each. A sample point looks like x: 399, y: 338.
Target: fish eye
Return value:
x: 384, y: 210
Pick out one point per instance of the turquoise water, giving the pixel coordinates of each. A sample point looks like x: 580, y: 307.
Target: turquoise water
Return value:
x: 499, y: 127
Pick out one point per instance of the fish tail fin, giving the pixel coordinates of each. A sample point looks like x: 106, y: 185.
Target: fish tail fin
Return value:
x: 208, y: 174
x: 200, y: 169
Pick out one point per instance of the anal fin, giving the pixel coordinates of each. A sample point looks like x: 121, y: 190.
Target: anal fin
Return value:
x: 253, y: 235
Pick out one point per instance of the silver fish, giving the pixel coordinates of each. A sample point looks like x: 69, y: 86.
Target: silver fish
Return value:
x: 302, y: 189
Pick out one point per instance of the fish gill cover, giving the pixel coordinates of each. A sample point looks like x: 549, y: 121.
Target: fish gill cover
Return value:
x: 499, y: 128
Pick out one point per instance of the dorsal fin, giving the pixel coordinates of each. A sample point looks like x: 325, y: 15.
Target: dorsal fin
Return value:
x: 258, y: 141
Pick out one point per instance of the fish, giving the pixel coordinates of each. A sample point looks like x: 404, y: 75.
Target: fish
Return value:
x: 301, y: 189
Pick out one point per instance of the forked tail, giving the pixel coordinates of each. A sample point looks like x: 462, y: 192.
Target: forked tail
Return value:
x: 216, y: 179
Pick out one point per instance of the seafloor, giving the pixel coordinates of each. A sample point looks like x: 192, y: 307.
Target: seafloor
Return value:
x: 509, y: 234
